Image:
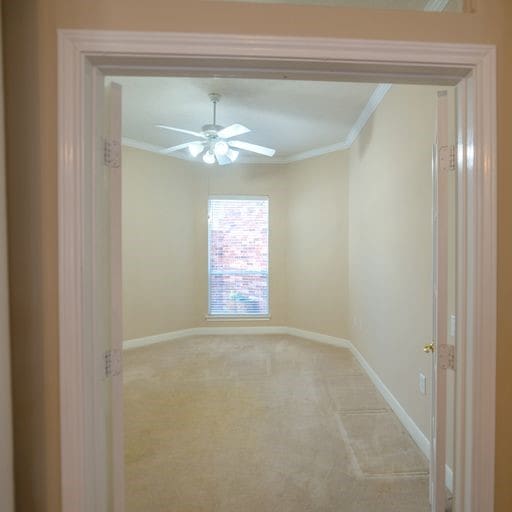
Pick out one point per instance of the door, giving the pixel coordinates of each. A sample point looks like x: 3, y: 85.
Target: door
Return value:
x: 442, y: 352
x: 107, y: 272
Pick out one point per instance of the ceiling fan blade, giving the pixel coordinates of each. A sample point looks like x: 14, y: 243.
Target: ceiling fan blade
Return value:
x: 172, y: 149
x: 240, y: 144
x: 233, y: 130
x: 172, y: 128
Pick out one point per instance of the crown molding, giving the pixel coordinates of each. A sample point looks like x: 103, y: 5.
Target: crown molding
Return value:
x: 368, y: 110
x: 378, y: 95
x: 145, y: 146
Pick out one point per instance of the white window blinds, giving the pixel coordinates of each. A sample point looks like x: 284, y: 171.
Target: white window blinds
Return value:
x: 238, y: 256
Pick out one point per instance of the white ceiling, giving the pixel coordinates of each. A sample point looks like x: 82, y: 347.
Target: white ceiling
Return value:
x: 292, y: 117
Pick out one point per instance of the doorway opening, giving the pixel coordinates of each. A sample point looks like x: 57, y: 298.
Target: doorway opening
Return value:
x: 348, y: 200
x: 462, y: 319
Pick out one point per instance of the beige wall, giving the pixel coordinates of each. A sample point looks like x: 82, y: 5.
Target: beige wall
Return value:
x: 390, y: 243
x: 158, y: 244
x: 30, y: 50
x: 165, y: 230
x: 317, y: 244
x: 6, y: 473
x: 165, y: 235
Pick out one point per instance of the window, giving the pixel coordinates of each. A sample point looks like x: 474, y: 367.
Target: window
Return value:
x: 238, y: 256
x: 414, y: 5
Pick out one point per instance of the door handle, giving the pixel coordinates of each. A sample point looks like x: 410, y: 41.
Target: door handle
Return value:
x: 429, y: 348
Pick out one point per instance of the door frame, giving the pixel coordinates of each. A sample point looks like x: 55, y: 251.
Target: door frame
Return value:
x: 471, y: 67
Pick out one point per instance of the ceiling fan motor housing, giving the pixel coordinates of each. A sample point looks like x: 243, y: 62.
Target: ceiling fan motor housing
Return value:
x: 211, y: 130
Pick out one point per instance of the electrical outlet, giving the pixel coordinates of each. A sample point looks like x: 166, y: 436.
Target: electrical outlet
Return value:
x: 423, y: 384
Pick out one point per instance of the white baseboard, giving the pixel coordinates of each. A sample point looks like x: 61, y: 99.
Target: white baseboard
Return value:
x: 201, y: 331
x: 220, y: 331
x: 411, y: 427
x: 414, y: 431
x: 157, y: 338
x: 316, y: 336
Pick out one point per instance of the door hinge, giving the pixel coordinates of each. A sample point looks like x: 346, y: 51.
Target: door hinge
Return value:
x: 112, y: 363
x: 448, y: 158
x: 446, y: 355
x: 112, y: 153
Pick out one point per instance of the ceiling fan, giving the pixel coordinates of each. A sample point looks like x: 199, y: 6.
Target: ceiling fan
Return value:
x: 216, y: 144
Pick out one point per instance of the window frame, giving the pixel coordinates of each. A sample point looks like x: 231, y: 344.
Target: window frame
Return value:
x: 238, y: 317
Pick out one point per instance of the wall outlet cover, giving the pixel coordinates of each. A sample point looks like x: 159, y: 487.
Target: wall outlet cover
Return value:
x: 423, y: 384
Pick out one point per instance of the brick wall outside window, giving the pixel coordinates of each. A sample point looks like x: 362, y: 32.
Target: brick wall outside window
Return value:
x: 238, y: 256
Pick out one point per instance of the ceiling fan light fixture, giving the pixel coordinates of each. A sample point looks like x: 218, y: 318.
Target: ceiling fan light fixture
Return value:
x: 232, y: 155
x: 209, y: 158
x: 195, y: 149
x: 221, y: 148
x: 215, y: 144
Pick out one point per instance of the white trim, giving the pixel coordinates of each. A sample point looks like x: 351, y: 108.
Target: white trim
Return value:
x: 312, y: 153
x: 436, y: 5
x: 75, y: 477
x: 321, y: 338
x: 220, y: 331
x: 157, y: 338
x: 408, y: 423
x: 6, y: 418
x: 146, y: 146
x: 414, y: 431
x: 199, y: 331
x: 377, y: 96
x: 416, y: 62
x: 236, y: 318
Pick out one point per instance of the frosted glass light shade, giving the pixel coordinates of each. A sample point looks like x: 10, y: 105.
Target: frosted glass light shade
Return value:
x: 232, y: 155
x: 209, y: 158
x: 221, y: 148
x: 195, y: 148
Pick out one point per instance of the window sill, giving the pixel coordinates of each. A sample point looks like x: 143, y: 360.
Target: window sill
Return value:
x: 235, y: 318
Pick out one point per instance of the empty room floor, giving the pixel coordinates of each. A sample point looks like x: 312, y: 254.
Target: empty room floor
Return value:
x: 260, y: 424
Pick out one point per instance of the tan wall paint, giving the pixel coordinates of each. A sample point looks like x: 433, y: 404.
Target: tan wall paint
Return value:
x: 165, y: 251
x: 158, y: 244
x: 6, y: 470
x: 31, y: 112
x: 317, y: 262
x: 166, y: 278
x: 390, y: 243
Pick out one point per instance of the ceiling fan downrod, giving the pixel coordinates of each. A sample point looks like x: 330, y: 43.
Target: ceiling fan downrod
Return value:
x: 215, y: 98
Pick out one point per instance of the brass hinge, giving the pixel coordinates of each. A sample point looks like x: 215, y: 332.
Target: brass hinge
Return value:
x: 448, y: 158
x: 112, y: 363
x: 446, y: 355
x: 112, y: 154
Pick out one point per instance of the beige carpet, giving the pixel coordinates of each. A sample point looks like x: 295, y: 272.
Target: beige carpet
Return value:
x: 263, y: 424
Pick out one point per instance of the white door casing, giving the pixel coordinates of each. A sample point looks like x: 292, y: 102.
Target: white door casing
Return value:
x: 6, y: 444
x: 132, y: 52
x: 106, y: 404
x: 114, y: 166
x: 440, y: 170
